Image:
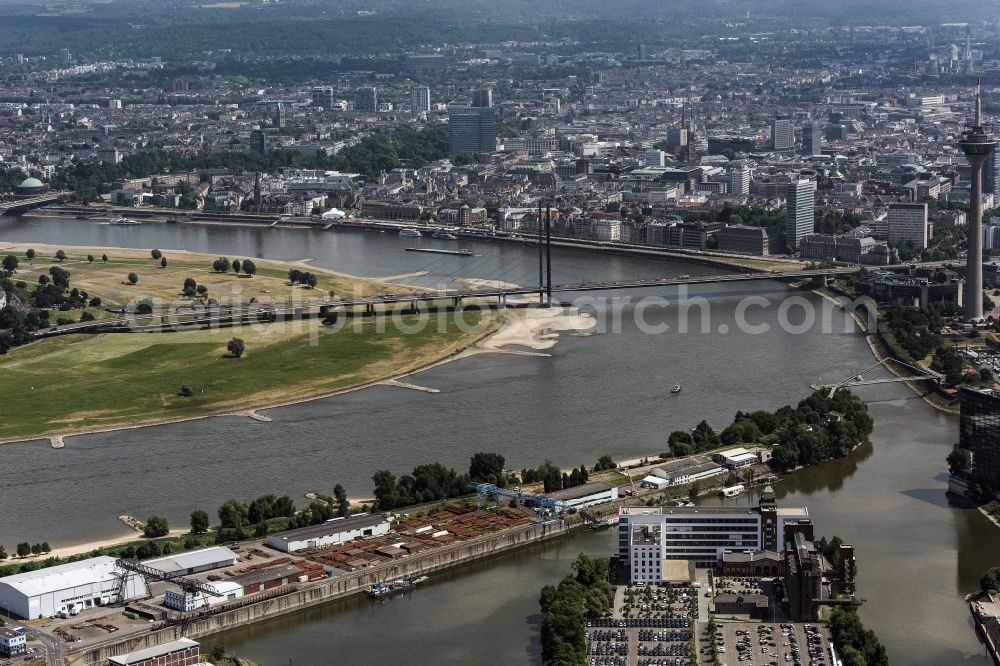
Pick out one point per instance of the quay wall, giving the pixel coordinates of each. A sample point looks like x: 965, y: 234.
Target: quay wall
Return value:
x: 302, y: 596
x: 984, y: 613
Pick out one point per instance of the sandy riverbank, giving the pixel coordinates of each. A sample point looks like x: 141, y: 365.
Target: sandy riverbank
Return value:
x: 88, y: 547
x: 536, y: 328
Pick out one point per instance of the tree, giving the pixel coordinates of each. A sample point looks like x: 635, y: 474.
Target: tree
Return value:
x: 163, y: 262
x: 10, y: 264
x: 132, y: 278
x: 60, y: 277
x: 236, y: 265
x: 156, y: 526
x: 694, y: 490
x: 604, y: 462
x: 236, y: 347
x: 156, y: 254
x: 199, y: 522
x: 185, y: 391
x: 23, y: 549
x: 36, y: 549
x: 487, y: 468
x: 249, y: 268
x: 220, y: 265
x: 959, y: 460
x: 3, y: 553
x: 45, y: 547
x: 261, y: 508
x: 104, y: 258
x: 30, y: 254
x: 385, y: 490
x: 144, y: 307
x: 90, y: 258
x: 340, y: 495
x: 233, y: 514
x: 704, y: 437
x: 60, y: 255
x: 990, y: 582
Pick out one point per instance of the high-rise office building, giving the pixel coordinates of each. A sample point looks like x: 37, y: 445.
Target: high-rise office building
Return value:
x: 991, y: 174
x: 739, y: 179
x: 322, y: 97
x: 800, y: 214
x: 812, y: 139
x: 420, y: 99
x: 257, y: 143
x: 279, y: 117
x: 677, y: 139
x: 979, y: 431
x: 472, y: 129
x: 366, y: 99
x: 907, y: 223
x: 482, y: 97
x: 782, y: 134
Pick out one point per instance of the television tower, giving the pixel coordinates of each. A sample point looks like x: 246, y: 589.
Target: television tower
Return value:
x: 976, y: 144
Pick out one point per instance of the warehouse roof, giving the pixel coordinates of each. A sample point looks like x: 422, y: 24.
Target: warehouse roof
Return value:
x: 194, y: 559
x: 62, y: 577
x: 153, y: 652
x: 583, y: 491
x: 264, y: 575
x: 334, y: 526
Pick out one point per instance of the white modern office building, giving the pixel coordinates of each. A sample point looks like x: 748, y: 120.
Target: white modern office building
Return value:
x: 651, y: 538
x: 907, y: 223
x: 66, y: 587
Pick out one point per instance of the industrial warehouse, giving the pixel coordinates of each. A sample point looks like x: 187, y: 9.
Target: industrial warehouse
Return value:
x: 331, y: 533
x: 66, y: 588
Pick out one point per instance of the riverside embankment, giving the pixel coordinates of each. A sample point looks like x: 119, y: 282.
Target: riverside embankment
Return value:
x: 697, y: 257
x: 303, y: 596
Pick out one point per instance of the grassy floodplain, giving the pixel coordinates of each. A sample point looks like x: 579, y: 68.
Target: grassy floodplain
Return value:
x: 109, y: 280
x: 84, y: 382
x: 80, y: 382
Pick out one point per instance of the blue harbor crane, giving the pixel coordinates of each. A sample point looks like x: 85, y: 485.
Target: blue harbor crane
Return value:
x: 486, y: 492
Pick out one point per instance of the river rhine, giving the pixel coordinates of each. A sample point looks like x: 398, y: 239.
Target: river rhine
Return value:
x: 603, y: 393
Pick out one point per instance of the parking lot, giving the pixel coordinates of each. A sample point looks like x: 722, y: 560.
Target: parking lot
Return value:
x: 773, y: 644
x: 648, y: 627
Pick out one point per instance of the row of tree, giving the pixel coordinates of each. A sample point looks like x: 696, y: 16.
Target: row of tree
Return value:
x: 24, y: 549
x: 295, y: 276
x: 553, y: 478
x: 222, y: 265
x: 583, y: 594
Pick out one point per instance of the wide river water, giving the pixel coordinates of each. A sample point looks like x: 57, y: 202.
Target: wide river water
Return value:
x: 602, y: 393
